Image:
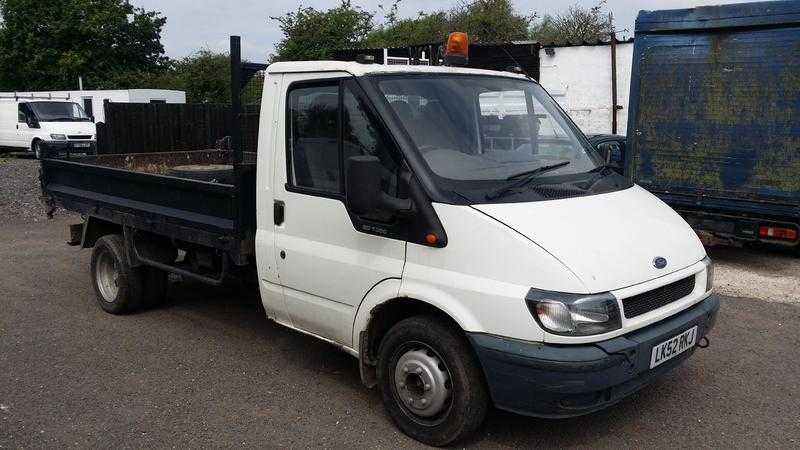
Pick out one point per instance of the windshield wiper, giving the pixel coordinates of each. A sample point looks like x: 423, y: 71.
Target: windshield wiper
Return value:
x: 519, y: 180
x: 599, y: 173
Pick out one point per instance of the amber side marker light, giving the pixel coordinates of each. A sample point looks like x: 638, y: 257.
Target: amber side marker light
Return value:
x: 457, y: 51
x: 431, y: 239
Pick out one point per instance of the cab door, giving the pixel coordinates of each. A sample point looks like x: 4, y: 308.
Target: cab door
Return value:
x: 24, y: 133
x: 325, y: 265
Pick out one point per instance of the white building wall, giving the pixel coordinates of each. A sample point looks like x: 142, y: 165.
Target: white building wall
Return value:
x: 579, y: 78
x: 149, y: 95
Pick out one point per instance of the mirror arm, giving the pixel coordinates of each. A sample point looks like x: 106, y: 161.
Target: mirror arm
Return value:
x: 399, y: 205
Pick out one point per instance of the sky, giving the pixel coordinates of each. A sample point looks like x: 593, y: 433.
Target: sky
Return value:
x: 196, y: 24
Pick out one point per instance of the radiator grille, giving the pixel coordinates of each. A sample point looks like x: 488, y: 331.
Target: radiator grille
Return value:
x: 650, y: 300
x: 79, y: 136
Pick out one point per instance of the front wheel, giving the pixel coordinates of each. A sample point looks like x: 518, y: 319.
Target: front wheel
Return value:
x: 432, y: 385
x: 37, y: 149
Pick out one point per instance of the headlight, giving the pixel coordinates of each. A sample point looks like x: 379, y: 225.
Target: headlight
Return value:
x: 709, y: 273
x: 58, y: 137
x: 574, y: 314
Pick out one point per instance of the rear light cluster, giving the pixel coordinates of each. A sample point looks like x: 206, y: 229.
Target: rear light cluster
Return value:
x: 780, y: 233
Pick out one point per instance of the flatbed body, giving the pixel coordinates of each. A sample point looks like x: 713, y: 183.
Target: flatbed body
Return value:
x: 136, y: 190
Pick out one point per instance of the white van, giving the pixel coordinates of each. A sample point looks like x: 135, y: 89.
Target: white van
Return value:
x: 35, y: 124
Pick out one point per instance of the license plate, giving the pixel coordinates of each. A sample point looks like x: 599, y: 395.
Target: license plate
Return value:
x: 81, y: 145
x: 673, y: 347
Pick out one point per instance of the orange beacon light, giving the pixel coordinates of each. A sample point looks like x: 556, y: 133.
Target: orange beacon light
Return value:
x: 457, y: 50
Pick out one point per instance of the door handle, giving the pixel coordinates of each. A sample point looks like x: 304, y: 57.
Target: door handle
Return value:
x: 278, y: 212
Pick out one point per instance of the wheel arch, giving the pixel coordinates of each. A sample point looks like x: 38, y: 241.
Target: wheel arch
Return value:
x: 94, y: 228
x: 386, y: 304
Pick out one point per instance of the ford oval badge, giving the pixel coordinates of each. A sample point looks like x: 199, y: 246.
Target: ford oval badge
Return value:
x: 659, y: 262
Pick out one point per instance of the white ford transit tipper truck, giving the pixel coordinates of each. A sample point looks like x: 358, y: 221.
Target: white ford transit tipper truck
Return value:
x: 35, y: 124
x: 449, y: 227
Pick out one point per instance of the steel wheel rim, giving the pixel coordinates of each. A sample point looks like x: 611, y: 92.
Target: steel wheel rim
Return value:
x: 422, y: 383
x: 37, y: 150
x: 107, y: 275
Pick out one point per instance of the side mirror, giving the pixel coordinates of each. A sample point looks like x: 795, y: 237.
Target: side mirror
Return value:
x: 604, y: 151
x: 363, y: 187
x: 32, y: 122
x: 363, y: 175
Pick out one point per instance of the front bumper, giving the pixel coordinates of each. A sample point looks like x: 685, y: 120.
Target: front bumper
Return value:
x: 61, y: 148
x: 549, y: 380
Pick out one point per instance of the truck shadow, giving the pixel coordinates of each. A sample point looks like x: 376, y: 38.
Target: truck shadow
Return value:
x: 238, y: 313
x: 17, y: 155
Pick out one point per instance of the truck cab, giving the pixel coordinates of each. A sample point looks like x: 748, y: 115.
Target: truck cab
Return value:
x: 39, y: 124
x: 449, y: 227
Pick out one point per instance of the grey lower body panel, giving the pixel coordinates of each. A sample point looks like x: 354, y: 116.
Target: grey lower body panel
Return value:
x: 553, y: 381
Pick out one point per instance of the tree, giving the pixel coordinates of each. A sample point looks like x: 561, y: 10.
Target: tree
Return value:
x: 577, y: 24
x: 205, y: 76
x: 489, y: 21
x: 482, y: 20
x: 47, y: 44
x: 311, y: 34
x: 425, y: 29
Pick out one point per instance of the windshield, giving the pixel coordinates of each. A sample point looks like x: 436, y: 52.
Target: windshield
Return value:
x: 59, y: 112
x: 475, y: 133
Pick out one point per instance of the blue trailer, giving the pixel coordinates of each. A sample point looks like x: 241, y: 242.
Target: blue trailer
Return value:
x: 714, y: 118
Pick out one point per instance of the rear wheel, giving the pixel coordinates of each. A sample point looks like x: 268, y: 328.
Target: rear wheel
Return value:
x: 119, y: 288
x: 431, y: 383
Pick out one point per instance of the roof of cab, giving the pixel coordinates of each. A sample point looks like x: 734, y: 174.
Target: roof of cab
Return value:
x: 358, y: 69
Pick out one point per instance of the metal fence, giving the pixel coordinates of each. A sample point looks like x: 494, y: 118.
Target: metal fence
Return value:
x: 159, y: 127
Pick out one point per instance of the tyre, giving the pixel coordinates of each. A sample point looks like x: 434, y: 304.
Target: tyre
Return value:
x: 118, y: 287
x: 431, y: 383
x: 38, y: 148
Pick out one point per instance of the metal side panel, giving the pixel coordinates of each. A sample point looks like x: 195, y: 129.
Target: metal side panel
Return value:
x: 149, y: 197
x: 714, y: 114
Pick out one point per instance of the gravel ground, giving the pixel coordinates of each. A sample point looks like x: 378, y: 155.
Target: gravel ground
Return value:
x: 19, y: 191
x: 765, y: 274
x: 209, y: 370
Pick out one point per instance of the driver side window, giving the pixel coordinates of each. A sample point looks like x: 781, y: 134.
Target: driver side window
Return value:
x: 23, y: 112
x: 328, y: 123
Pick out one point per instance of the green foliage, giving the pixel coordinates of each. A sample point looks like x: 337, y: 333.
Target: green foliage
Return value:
x: 205, y: 76
x: 425, y: 29
x: 47, y: 44
x: 490, y: 21
x: 482, y: 20
x: 576, y: 25
x: 311, y: 34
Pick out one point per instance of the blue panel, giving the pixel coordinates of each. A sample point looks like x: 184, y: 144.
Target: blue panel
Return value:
x: 717, y: 113
x: 755, y: 14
